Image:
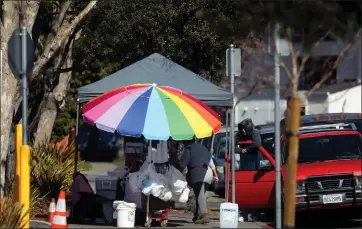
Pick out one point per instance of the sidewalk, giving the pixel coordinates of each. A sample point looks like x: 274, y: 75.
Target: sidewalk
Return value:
x: 182, y: 221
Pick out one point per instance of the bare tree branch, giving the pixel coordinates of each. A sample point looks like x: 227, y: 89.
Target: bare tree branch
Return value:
x: 282, y: 64
x: 60, y: 38
x: 65, y: 5
x: 335, y: 65
x: 294, y: 57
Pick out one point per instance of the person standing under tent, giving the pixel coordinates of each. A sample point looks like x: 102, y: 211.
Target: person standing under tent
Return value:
x: 196, y: 158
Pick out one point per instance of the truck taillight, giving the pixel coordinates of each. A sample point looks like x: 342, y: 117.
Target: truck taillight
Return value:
x: 359, y: 115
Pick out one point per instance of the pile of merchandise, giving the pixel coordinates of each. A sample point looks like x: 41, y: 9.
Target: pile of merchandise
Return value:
x: 171, y: 186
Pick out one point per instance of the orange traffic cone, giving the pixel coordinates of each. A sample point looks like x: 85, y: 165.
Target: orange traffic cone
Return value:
x: 60, y: 214
x: 51, y: 211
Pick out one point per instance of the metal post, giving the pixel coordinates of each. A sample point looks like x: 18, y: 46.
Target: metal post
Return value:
x: 230, y: 133
x: 24, y: 86
x: 232, y: 124
x: 278, y: 207
x: 1, y: 70
x: 226, y: 172
x: 76, y: 138
x: 76, y: 149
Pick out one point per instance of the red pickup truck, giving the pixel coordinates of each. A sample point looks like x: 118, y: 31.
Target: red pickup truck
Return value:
x: 328, y: 176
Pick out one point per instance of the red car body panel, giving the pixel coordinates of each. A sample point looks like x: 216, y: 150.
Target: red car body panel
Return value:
x: 255, y: 189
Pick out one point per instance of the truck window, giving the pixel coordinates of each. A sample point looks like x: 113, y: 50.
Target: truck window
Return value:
x: 333, y: 147
x: 248, y: 161
x: 268, y: 143
x: 221, y: 150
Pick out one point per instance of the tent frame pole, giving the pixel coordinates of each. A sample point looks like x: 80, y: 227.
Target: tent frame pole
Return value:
x: 76, y: 138
x: 75, y: 150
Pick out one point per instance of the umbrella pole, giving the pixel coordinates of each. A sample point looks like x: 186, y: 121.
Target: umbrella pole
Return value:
x: 149, y: 162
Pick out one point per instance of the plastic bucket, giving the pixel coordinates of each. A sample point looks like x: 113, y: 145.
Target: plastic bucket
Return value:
x: 126, y: 213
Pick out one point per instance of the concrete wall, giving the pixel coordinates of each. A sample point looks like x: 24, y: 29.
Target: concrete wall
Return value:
x: 345, y: 101
x: 259, y: 108
x: 348, y: 100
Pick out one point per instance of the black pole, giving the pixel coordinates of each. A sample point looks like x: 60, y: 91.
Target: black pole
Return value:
x: 76, y: 139
x: 75, y: 151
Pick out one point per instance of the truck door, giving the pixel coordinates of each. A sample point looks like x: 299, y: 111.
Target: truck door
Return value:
x: 254, y: 185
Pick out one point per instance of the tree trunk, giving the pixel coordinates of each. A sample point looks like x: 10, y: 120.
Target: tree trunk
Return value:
x: 55, y: 100
x: 8, y: 86
x: 9, y: 23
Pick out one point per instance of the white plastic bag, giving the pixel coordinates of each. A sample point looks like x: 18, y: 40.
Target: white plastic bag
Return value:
x: 144, y: 167
x: 147, y: 186
x: 166, y: 195
x: 157, y: 190
x: 185, y: 195
x: 176, y: 180
x: 146, y: 183
x: 134, y: 181
x: 177, y: 173
x: 161, y: 184
x: 175, y: 198
x: 179, y: 186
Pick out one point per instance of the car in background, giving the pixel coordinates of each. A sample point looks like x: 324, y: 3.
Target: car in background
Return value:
x: 211, y: 142
x: 328, y: 174
x: 267, y: 137
x: 329, y: 118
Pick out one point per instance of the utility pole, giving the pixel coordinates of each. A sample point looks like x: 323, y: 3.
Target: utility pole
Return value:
x: 278, y: 193
x: 233, y: 68
x: 232, y: 122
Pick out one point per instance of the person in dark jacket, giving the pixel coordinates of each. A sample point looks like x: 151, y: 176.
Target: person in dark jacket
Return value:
x: 247, y: 131
x: 196, y: 159
x: 249, y: 155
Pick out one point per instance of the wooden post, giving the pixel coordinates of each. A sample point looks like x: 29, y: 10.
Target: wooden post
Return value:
x: 292, y: 128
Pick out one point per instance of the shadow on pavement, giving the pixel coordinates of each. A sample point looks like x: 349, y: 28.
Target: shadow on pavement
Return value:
x: 319, y: 220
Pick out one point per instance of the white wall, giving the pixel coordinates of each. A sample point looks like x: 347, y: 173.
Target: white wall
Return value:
x: 259, y: 108
x: 316, y: 107
x: 348, y: 101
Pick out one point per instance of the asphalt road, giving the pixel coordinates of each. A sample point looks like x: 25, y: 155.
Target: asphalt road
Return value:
x: 321, y: 220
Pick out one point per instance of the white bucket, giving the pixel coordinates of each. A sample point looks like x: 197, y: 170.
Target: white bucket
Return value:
x: 126, y: 213
x: 229, y: 214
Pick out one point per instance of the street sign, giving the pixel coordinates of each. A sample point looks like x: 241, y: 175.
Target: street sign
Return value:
x: 236, y: 69
x: 15, y: 52
x: 283, y: 47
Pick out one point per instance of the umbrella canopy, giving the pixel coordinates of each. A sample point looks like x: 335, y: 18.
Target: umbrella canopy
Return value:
x: 156, y: 112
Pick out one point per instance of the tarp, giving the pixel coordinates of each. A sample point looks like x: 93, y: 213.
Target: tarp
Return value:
x: 158, y: 69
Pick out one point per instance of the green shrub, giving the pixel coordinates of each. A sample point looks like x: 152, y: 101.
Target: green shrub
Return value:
x: 52, y: 170
x: 10, y: 213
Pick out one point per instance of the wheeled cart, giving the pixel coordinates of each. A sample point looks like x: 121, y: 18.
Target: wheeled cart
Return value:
x: 157, y: 211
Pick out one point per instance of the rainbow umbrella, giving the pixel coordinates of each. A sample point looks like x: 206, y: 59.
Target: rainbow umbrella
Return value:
x: 156, y: 112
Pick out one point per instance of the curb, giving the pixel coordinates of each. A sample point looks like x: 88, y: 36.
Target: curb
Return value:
x: 39, y: 224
